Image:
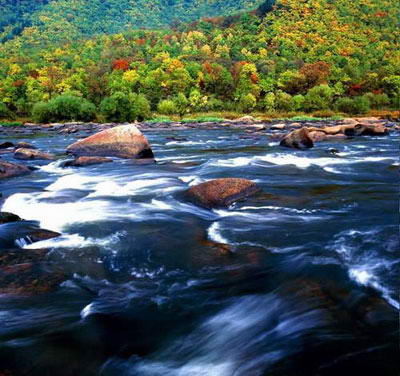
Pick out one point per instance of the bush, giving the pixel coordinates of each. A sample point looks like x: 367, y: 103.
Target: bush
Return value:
x: 64, y: 107
x: 5, y: 113
x: 181, y: 104
x: 283, y: 101
x: 117, y: 108
x: 247, y: 103
x: 142, y: 110
x: 214, y: 104
x: 354, y: 106
x: 318, y: 98
x: 167, y: 107
x: 269, y: 102
x: 297, y: 103
x: 378, y: 101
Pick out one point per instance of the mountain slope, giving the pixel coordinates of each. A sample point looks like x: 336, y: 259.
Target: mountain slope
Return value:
x: 89, y: 17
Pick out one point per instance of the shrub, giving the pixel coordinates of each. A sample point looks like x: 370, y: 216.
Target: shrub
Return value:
x: 214, y: 104
x: 117, y: 108
x: 297, y: 102
x: 167, y: 107
x: 318, y: 98
x: 353, y: 106
x: 283, y: 101
x: 269, y: 102
x: 247, y: 103
x: 43, y: 112
x: 5, y: 113
x: 142, y: 110
x: 378, y: 101
x: 181, y: 104
x: 64, y: 107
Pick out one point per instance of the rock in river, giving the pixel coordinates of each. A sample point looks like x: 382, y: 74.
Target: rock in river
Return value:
x: 125, y: 141
x: 222, y: 192
x: 26, y: 154
x: 9, y: 170
x: 298, y: 139
x: 87, y: 161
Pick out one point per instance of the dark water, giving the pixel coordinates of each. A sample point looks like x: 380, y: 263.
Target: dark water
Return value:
x: 306, y: 283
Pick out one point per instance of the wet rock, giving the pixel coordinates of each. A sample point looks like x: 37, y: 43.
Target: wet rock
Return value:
x: 87, y: 161
x: 28, y: 154
x: 124, y: 141
x: 317, y: 136
x: 278, y: 127
x: 336, y: 137
x: 366, y: 130
x: 41, y: 234
x: 222, y: 192
x: 25, y: 272
x: 8, y: 217
x: 298, y: 139
x: 9, y: 170
x: 25, y: 145
x: 246, y: 119
x: 6, y: 145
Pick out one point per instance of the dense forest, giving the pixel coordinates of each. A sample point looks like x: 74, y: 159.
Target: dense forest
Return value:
x: 297, y: 55
x: 88, y: 17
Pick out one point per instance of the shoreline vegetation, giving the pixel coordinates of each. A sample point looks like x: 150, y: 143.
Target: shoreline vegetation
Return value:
x: 263, y: 62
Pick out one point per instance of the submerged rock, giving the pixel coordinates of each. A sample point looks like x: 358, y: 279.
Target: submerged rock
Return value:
x: 25, y: 145
x: 125, y: 141
x: 8, y: 217
x: 87, y: 161
x: 6, y: 145
x: 27, y: 154
x: 9, y: 170
x: 298, y: 139
x: 222, y: 192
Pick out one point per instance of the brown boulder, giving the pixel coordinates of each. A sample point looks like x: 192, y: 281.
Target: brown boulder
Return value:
x: 222, y: 192
x: 26, y: 154
x: 366, y: 130
x: 317, y: 136
x: 125, y: 141
x: 25, y: 145
x: 298, y: 139
x: 87, y: 161
x: 9, y: 170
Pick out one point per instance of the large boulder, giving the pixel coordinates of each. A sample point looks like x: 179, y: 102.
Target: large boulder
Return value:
x: 298, y: 139
x: 28, y: 154
x: 222, y: 192
x: 9, y: 170
x: 125, y: 141
x: 367, y: 130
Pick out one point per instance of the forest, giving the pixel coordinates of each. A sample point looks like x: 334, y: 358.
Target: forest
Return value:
x: 309, y: 56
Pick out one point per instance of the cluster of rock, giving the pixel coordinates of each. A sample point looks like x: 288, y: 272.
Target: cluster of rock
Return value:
x: 305, y: 137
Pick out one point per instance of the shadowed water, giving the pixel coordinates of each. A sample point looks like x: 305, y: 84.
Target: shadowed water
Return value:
x: 300, y: 279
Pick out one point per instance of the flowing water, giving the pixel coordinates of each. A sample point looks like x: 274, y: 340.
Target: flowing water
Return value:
x: 300, y: 279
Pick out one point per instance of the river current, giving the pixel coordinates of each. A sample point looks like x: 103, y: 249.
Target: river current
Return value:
x: 301, y: 279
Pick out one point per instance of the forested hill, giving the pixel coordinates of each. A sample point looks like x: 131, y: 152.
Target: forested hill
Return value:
x: 89, y: 17
x: 302, y: 55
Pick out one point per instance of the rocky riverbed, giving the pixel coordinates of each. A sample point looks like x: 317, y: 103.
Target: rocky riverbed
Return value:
x: 234, y: 248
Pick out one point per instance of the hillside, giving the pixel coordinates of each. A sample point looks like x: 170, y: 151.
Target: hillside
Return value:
x: 304, y: 55
x: 89, y: 17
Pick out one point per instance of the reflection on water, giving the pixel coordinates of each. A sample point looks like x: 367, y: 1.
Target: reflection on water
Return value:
x: 298, y: 280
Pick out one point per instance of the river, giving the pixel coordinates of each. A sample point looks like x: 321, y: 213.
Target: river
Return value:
x: 301, y: 279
